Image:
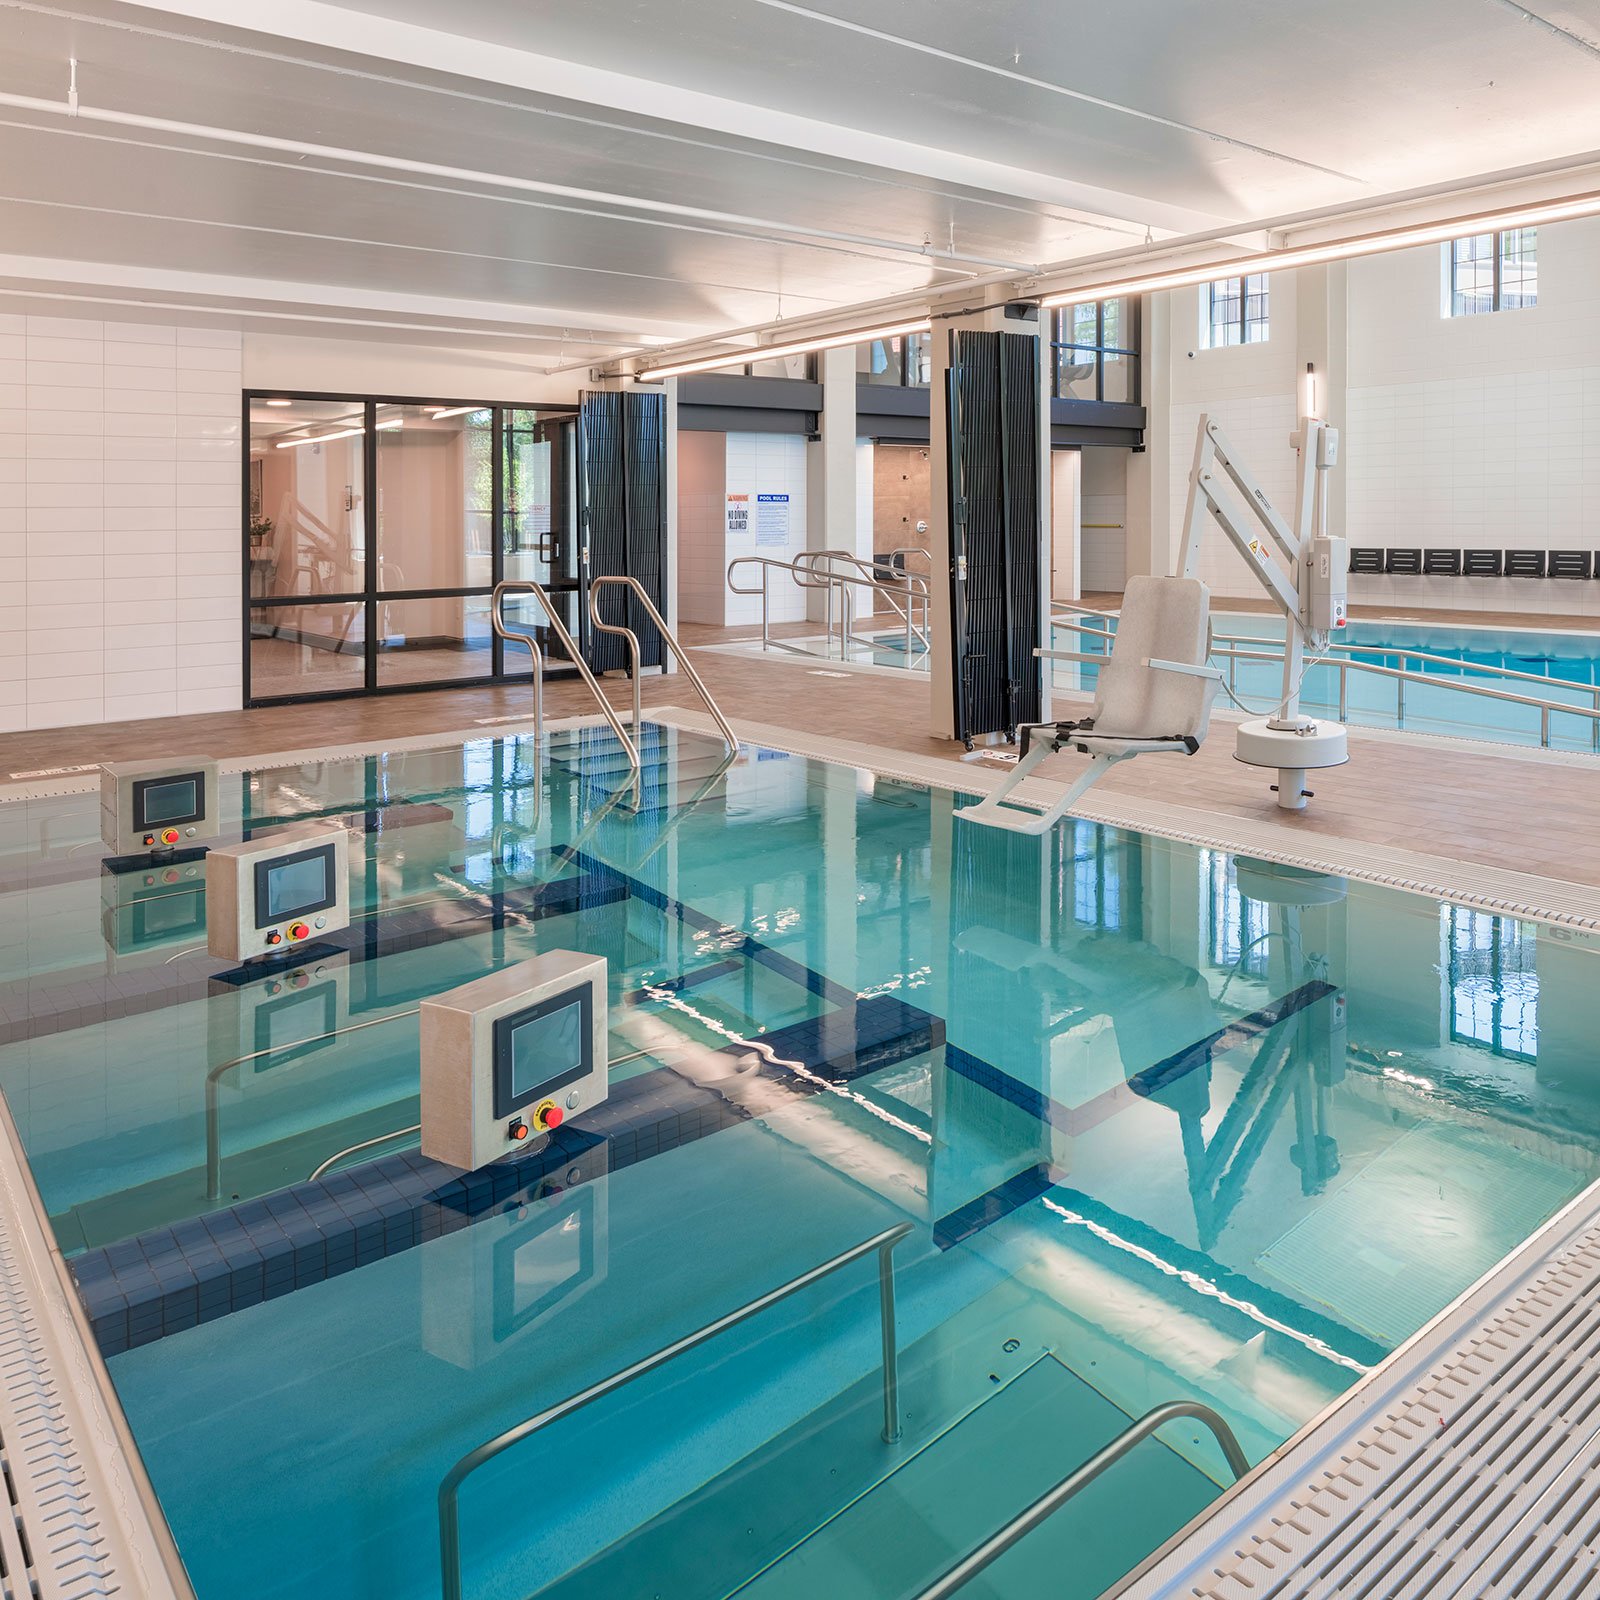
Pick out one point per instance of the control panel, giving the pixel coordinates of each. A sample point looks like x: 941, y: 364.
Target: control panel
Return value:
x: 1324, y: 592
x: 509, y: 1057
x: 267, y: 895
x: 155, y: 807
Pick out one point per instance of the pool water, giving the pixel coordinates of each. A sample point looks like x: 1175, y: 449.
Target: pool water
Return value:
x: 1570, y: 660
x: 1166, y: 1125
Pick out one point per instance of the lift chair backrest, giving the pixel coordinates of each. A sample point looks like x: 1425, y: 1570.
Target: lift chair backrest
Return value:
x: 1168, y: 619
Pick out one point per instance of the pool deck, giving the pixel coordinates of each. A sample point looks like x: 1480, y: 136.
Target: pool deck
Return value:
x: 1491, y: 806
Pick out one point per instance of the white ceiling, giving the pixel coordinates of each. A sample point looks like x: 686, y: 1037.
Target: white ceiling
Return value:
x: 566, y: 180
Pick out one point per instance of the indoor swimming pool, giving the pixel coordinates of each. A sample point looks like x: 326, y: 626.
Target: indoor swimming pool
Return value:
x: 1558, y: 666
x: 1164, y: 1125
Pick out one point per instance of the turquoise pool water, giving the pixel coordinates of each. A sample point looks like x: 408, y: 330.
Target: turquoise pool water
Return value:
x: 1165, y: 1124
x: 1569, y: 660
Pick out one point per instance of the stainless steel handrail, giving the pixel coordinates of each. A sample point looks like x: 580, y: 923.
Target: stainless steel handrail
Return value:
x: 668, y: 638
x: 366, y: 1144
x: 1344, y: 665
x: 992, y: 1548
x: 883, y: 1243
x: 869, y: 575
x: 497, y: 618
x: 215, y: 1075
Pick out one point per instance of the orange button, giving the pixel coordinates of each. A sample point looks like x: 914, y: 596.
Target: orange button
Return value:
x: 298, y: 930
x: 519, y: 1129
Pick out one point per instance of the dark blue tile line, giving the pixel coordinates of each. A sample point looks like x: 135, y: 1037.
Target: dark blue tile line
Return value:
x: 731, y: 939
x: 1146, y: 1084
x: 31, y: 1008
x: 169, y: 1279
x: 1275, y: 1304
x: 988, y: 1209
x: 687, y: 980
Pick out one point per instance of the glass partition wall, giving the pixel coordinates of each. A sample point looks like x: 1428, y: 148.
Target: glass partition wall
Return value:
x: 376, y: 530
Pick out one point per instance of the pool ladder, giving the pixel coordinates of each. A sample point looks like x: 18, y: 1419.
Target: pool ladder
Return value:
x: 669, y: 639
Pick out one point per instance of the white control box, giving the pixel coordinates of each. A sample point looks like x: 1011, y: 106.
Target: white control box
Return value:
x: 148, y: 806
x: 1326, y: 590
x: 265, y: 896
x: 510, y: 1056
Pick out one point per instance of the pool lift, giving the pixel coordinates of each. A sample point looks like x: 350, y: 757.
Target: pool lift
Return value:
x: 1147, y: 703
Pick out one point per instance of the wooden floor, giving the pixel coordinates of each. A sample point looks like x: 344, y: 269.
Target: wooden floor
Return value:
x: 1505, y: 807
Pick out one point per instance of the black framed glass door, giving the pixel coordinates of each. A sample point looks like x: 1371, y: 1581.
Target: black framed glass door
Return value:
x: 376, y: 529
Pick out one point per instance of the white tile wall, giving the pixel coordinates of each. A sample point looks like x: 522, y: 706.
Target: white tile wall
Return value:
x: 119, y: 521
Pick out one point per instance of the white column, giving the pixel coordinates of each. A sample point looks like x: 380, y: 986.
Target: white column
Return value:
x: 831, y: 467
x: 1150, y: 540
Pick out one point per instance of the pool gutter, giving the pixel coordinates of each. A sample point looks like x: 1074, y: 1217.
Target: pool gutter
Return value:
x: 82, y: 1517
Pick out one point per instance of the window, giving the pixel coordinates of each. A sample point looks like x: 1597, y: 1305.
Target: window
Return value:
x: 1096, y: 351
x: 1236, y: 311
x: 1492, y: 272
x: 1238, y: 928
x: 904, y: 362
x: 1494, y: 984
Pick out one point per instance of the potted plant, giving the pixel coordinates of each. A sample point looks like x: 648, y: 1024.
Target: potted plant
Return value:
x: 260, y: 528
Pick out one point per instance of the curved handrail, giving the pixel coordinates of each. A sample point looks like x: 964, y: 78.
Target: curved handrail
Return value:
x: 497, y: 619
x: 996, y: 1545
x: 883, y: 1243
x: 215, y: 1075
x: 366, y: 1144
x: 668, y: 638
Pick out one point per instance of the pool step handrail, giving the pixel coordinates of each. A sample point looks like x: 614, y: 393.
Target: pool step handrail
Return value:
x: 668, y: 638
x: 882, y: 1243
x: 960, y: 1574
x: 574, y: 654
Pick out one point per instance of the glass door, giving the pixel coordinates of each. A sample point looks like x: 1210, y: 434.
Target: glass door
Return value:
x: 377, y: 529
x: 539, y: 529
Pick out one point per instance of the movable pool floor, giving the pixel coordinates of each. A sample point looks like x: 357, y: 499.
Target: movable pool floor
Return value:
x: 1164, y: 1124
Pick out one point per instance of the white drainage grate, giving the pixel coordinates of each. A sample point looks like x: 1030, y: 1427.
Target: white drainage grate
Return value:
x: 1467, y: 1465
x: 78, y: 1518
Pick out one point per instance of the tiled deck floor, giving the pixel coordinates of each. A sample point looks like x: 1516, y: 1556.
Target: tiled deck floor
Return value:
x: 1504, y: 807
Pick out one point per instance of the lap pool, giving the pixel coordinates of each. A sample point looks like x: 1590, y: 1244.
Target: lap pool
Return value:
x: 1164, y: 1124
x: 1565, y: 663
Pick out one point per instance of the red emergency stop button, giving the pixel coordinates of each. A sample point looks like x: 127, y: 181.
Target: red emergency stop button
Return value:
x: 549, y: 1115
x: 299, y: 930
x: 169, y: 836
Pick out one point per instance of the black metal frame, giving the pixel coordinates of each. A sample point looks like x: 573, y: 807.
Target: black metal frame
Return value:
x: 1496, y: 251
x: 369, y: 596
x: 1132, y: 312
x: 1243, y: 323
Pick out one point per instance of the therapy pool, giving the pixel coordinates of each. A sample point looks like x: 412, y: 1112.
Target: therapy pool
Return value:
x: 1164, y: 1125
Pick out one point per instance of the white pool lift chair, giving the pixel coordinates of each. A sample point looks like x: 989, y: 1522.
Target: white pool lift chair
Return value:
x: 1153, y: 697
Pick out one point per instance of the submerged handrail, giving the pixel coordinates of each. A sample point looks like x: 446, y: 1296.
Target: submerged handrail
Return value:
x: 215, y: 1075
x: 883, y: 1243
x: 366, y: 1144
x: 996, y: 1545
x: 668, y: 638
x: 497, y: 619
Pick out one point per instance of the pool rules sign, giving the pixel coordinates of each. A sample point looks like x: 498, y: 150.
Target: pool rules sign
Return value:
x: 772, y: 520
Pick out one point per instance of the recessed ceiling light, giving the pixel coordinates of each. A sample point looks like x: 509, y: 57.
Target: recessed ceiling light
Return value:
x: 280, y: 402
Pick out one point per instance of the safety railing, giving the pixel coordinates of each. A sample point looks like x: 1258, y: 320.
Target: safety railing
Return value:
x: 965, y: 1570
x: 1225, y: 647
x: 668, y: 639
x: 497, y: 617
x: 365, y: 1144
x: 906, y: 592
x: 882, y: 1243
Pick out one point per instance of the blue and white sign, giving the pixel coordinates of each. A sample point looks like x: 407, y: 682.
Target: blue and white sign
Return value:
x: 772, y: 520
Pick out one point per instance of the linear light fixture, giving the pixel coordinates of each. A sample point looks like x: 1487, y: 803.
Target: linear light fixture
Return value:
x: 774, y: 352
x: 1313, y: 255
x: 341, y: 433
x: 280, y: 402
x: 456, y: 411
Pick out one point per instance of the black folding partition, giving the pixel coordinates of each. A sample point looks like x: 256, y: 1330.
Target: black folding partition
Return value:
x: 622, y: 481
x: 993, y: 395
